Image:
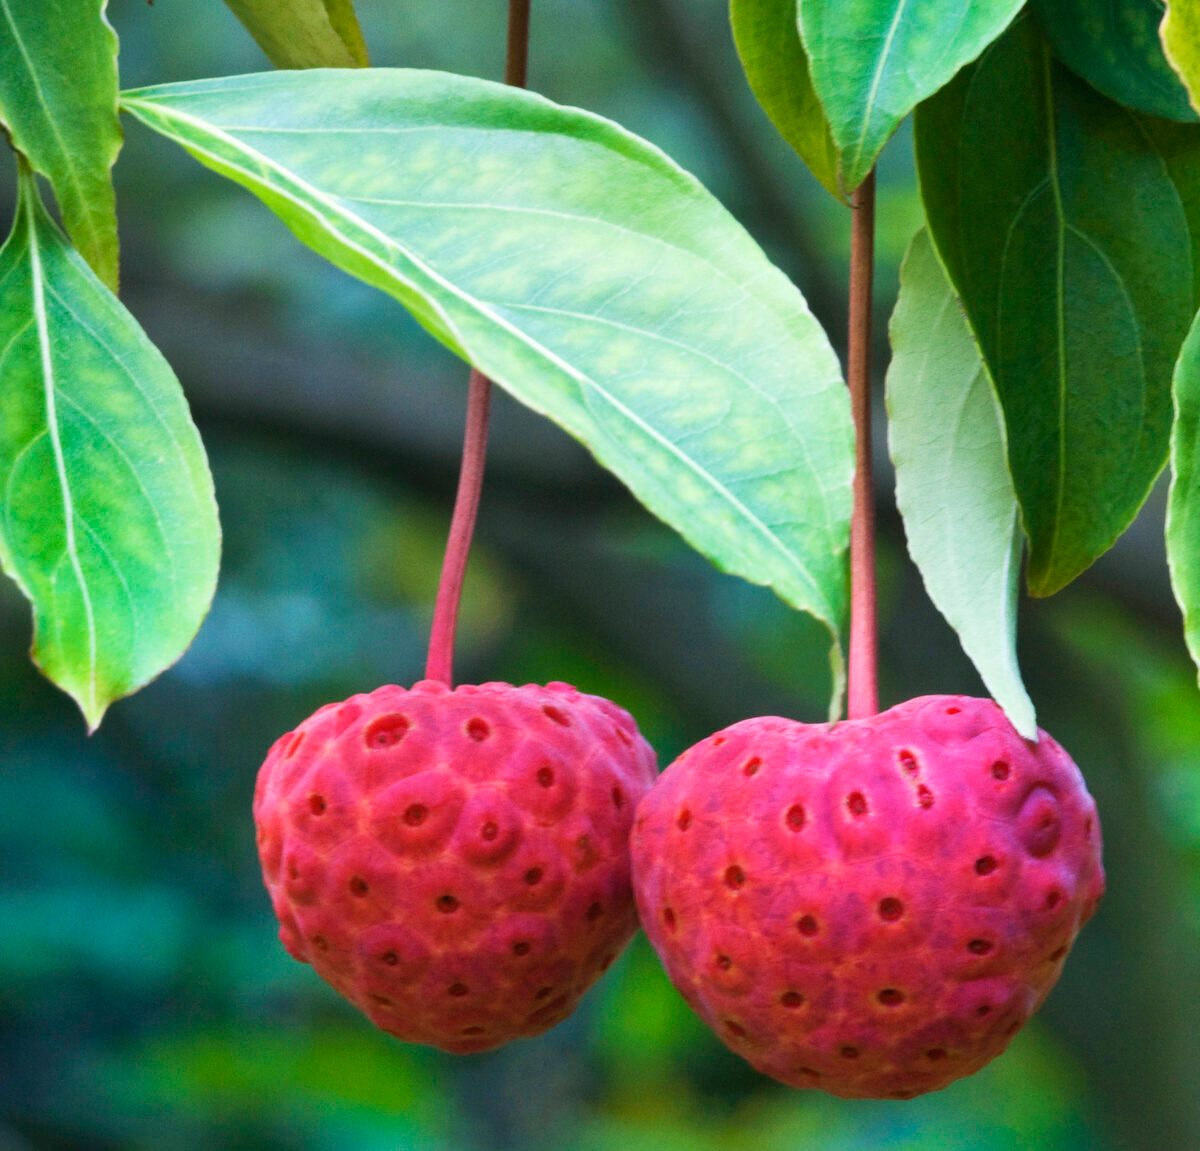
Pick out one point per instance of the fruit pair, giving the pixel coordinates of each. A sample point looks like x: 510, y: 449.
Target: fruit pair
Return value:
x: 872, y: 907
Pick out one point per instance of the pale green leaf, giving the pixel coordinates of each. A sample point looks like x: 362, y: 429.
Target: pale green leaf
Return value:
x: 772, y: 55
x: 873, y: 61
x: 58, y: 100
x: 953, y: 488
x: 107, y: 521
x: 304, y: 33
x: 580, y: 269
x: 1183, y: 506
x: 1065, y: 231
x: 1115, y: 47
x: 1180, y: 32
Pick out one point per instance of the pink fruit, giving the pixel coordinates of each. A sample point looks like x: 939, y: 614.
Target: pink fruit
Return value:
x: 455, y: 863
x: 872, y: 907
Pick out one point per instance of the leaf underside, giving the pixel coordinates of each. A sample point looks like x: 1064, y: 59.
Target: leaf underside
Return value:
x: 1115, y: 47
x: 1065, y: 232
x: 580, y: 269
x: 304, y: 33
x: 107, y: 521
x: 873, y: 61
x: 58, y: 99
x: 953, y: 488
x: 344, y: 21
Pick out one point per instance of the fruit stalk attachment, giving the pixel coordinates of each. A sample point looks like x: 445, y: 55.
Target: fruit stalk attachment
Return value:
x: 440, y: 662
x: 864, y: 643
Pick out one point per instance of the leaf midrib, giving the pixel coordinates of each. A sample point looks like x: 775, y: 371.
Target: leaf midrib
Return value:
x: 37, y: 291
x: 751, y: 385
x: 876, y: 81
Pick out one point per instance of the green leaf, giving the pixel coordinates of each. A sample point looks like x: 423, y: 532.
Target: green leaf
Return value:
x: 580, y: 269
x: 953, y: 488
x: 304, y: 33
x: 1115, y: 47
x: 108, y: 522
x: 58, y: 100
x: 1183, y: 506
x: 873, y: 61
x: 773, y: 58
x: 1180, y: 33
x: 1067, y: 239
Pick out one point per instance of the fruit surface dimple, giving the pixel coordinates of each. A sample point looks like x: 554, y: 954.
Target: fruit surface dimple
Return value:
x: 454, y: 862
x: 880, y: 912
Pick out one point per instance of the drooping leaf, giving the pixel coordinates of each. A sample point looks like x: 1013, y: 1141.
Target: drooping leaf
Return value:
x: 1183, y: 506
x: 304, y: 33
x: 580, y: 269
x: 873, y: 61
x: 772, y: 54
x: 1065, y: 236
x: 58, y: 100
x: 108, y: 522
x: 953, y: 487
x: 1115, y: 47
x: 1180, y: 32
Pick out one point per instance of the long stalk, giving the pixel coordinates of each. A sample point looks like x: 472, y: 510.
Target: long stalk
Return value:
x: 864, y: 643
x: 440, y: 663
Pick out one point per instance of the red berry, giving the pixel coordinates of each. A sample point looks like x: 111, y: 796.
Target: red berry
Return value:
x: 873, y: 907
x: 455, y: 862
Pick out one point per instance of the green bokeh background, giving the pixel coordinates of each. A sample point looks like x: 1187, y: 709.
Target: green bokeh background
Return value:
x: 145, y: 1004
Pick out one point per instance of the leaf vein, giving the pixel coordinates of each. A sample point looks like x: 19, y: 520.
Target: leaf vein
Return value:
x: 751, y: 384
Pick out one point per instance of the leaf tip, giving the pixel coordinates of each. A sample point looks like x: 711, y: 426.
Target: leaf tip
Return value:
x: 1022, y: 716
x: 837, y: 672
x: 93, y: 717
x: 92, y: 707
x: 1042, y: 582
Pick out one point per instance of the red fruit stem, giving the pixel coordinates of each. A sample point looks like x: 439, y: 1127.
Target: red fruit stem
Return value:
x: 440, y: 663
x: 864, y: 640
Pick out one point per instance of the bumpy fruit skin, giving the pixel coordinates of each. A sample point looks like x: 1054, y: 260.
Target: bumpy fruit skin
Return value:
x: 455, y: 863
x: 873, y: 907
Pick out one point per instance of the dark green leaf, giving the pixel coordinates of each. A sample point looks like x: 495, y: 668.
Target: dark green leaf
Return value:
x: 1068, y: 242
x: 1115, y: 47
x: 953, y: 488
x: 583, y: 271
x: 58, y: 99
x: 1180, y: 32
x: 772, y: 54
x: 108, y: 523
x: 873, y: 61
x: 1183, y: 508
x: 304, y: 33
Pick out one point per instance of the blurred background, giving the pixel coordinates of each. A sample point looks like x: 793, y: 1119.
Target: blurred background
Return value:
x: 145, y: 1002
